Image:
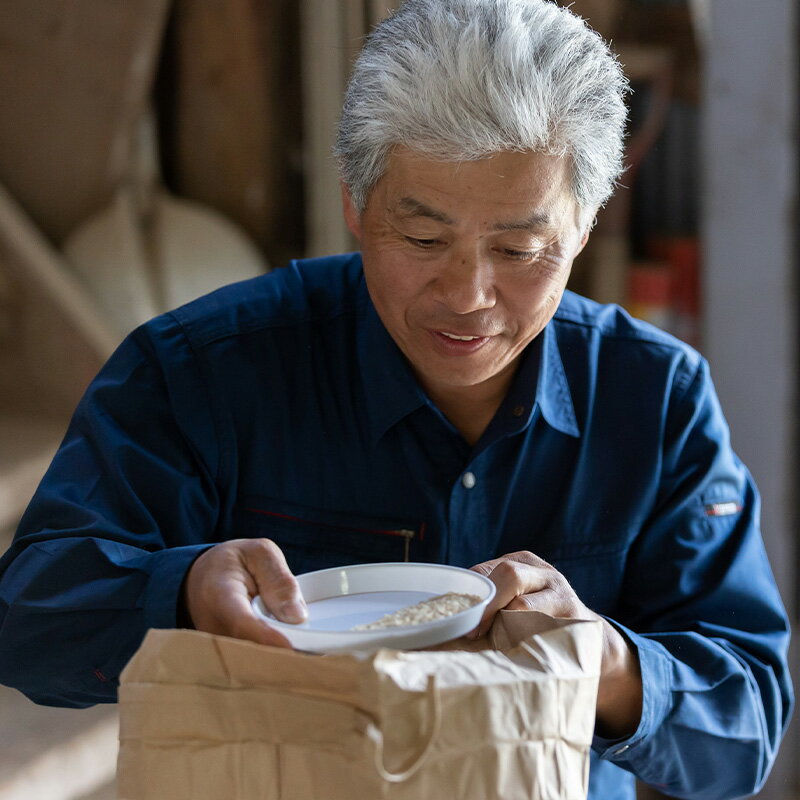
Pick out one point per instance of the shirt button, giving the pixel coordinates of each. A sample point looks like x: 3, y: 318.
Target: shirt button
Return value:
x: 468, y: 480
x: 518, y: 411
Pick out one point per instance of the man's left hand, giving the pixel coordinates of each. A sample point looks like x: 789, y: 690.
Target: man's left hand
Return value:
x: 525, y: 581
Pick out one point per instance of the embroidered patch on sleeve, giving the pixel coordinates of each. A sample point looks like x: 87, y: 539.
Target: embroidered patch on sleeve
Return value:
x: 722, y: 509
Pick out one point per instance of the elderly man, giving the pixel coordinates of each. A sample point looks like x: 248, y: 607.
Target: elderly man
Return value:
x: 439, y: 396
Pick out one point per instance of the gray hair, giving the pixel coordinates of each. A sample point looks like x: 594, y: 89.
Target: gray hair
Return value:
x: 460, y: 80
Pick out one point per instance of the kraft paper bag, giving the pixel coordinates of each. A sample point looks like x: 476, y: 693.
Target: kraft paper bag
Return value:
x: 206, y: 717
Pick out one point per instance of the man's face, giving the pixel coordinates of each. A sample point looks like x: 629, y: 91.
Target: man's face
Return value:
x: 466, y: 262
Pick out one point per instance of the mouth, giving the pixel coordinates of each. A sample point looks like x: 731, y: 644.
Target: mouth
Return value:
x: 460, y: 338
x: 451, y: 343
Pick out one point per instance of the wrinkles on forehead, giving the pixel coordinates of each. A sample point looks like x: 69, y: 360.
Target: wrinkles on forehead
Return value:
x: 408, y: 207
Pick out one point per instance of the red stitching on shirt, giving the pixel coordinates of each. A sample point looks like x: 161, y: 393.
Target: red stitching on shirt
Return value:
x: 99, y: 675
x: 378, y: 531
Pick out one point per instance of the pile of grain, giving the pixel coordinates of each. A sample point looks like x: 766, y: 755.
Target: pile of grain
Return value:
x: 443, y: 605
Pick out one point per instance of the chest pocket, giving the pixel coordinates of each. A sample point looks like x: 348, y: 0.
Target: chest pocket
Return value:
x: 314, y: 539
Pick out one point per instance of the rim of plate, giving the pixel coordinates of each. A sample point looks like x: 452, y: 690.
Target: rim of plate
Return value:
x: 484, y: 601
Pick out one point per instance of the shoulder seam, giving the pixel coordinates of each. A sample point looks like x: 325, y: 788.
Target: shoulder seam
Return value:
x: 217, y: 335
x: 642, y: 336
x: 684, y: 381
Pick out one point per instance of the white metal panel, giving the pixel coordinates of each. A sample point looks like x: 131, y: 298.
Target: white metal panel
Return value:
x: 751, y: 298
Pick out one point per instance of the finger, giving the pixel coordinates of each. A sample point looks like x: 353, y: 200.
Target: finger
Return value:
x: 238, y: 619
x: 218, y: 590
x: 522, y: 556
x: 512, y: 579
x: 557, y: 600
x: 486, y: 568
x: 548, y: 601
x: 275, y: 583
x: 525, y: 602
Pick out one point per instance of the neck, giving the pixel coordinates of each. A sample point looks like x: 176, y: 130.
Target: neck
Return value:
x: 470, y: 408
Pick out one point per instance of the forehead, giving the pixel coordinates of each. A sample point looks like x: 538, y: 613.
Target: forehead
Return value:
x: 502, y: 188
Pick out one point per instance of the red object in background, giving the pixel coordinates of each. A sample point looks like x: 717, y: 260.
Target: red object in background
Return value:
x: 651, y: 285
x: 650, y: 293
x: 682, y: 253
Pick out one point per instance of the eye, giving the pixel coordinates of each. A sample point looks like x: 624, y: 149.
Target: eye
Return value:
x: 424, y: 244
x: 518, y: 255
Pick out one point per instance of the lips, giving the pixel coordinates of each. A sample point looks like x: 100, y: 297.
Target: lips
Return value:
x: 460, y: 337
x: 451, y: 343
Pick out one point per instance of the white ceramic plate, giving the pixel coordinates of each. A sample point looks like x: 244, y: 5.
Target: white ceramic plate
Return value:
x: 338, y: 599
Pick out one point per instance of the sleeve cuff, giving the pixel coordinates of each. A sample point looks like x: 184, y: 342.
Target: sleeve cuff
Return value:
x: 168, y: 570
x: 656, y: 698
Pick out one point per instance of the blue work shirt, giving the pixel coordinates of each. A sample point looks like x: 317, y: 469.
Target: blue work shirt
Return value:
x: 281, y: 408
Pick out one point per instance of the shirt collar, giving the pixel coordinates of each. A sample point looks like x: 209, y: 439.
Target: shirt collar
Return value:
x: 552, y: 390
x: 393, y: 391
x: 540, y: 382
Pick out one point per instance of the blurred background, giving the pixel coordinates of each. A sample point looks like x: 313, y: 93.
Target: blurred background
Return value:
x: 151, y: 150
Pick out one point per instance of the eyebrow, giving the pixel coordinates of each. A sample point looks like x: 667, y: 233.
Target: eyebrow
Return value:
x: 414, y: 208
x: 536, y: 221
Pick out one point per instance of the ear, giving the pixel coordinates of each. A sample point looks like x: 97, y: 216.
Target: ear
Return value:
x: 588, y: 224
x: 584, y: 238
x: 351, y: 217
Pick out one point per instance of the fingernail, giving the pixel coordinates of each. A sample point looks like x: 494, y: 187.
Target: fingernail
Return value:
x: 294, y: 611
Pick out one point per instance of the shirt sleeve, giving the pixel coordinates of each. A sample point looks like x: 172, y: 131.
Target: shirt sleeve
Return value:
x: 702, y: 608
x: 127, y: 504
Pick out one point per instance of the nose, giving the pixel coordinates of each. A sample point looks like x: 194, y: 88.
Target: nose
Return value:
x: 465, y: 284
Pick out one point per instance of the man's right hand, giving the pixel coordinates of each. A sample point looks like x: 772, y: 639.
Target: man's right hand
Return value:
x: 222, y: 581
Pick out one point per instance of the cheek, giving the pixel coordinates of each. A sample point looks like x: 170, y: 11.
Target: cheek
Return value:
x: 393, y: 285
x: 554, y: 272
x: 532, y: 300
x: 534, y: 291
